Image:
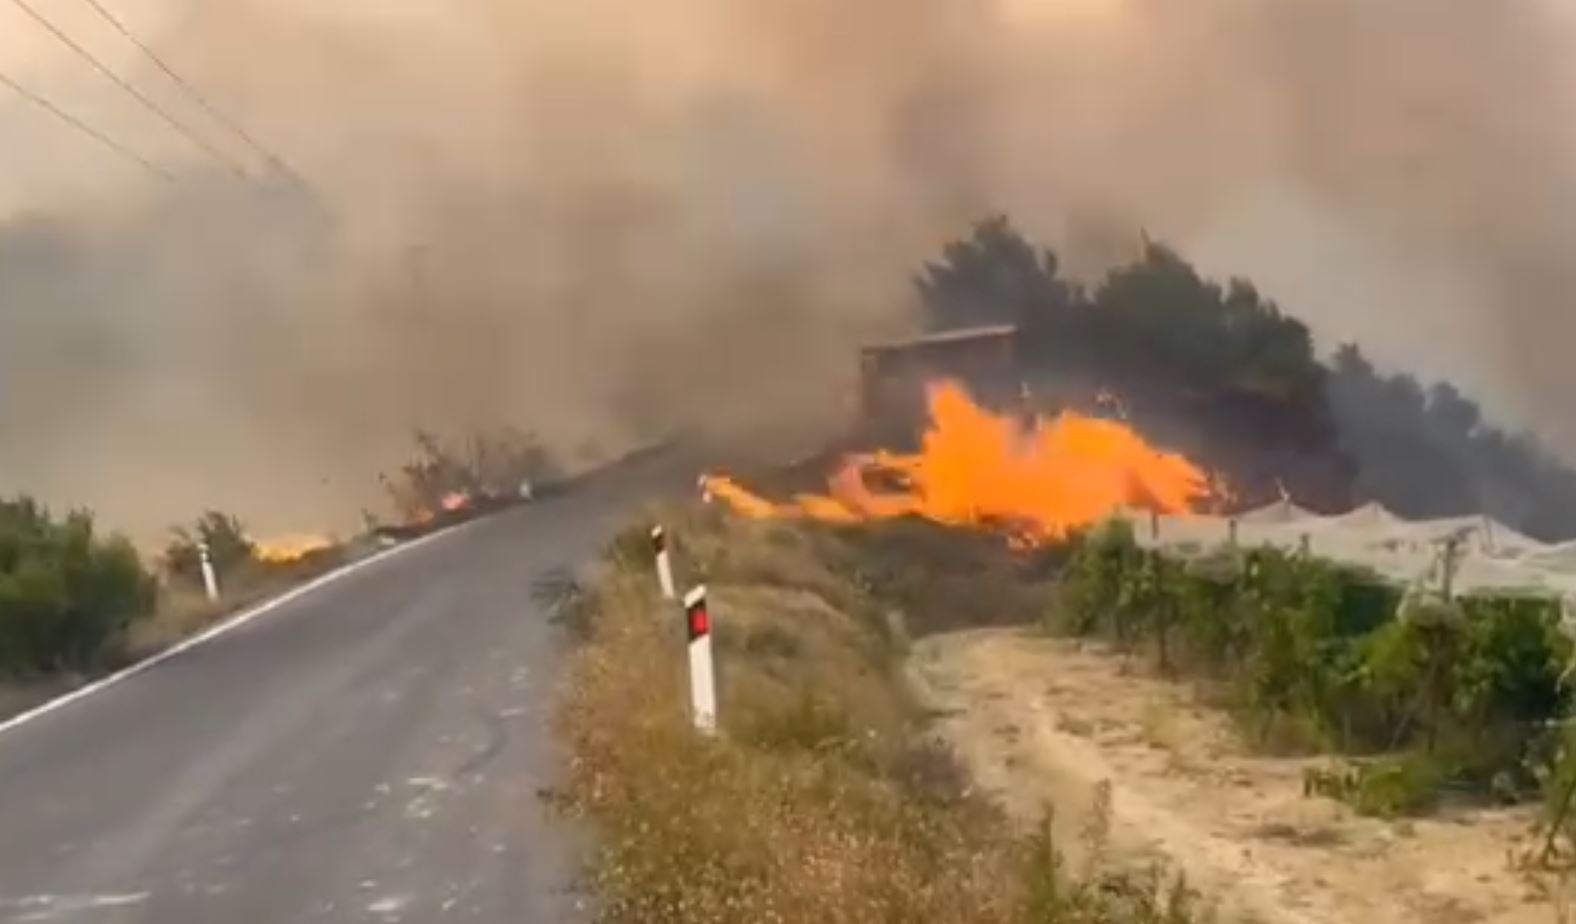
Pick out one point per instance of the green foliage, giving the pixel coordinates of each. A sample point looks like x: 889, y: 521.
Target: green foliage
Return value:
x: 1557, y: 779
x: 65, y: 593
x: 1159, y: 309
x: 1429, y: 452
x: 228, y: 546
x: 1319, y: 656
x: 995, y: 276
x: 1092, y: 588
x: 1515, y: 660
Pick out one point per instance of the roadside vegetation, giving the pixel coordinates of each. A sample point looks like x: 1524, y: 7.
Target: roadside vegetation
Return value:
x: 447, y: 478
x: 826, y: 796
x: 823, y: 798
x: 245, y: 572
x: 75, y: 603
x: 66, y: 592
x: 1433, y: 697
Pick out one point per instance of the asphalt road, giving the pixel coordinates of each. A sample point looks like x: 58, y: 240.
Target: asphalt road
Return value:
x: 372, y: 751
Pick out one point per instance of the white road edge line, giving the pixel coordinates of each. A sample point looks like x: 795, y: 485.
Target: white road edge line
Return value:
x: 228, y: 625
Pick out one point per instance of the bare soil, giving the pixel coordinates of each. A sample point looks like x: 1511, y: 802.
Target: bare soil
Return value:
x: 1043, y: 721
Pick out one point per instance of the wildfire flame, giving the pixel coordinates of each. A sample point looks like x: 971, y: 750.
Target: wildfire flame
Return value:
x: 1038, y: 479
x: 287, y: 549
x: 456, y: 500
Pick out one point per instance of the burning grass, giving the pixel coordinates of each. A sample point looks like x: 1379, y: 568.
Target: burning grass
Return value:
x: 824, y: 799
x: 1039, y: 478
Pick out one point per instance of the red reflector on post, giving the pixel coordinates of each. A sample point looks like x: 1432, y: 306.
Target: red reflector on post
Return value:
x: 699, y: 617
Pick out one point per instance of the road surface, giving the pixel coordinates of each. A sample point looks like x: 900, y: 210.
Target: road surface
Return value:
x: 373, y: 751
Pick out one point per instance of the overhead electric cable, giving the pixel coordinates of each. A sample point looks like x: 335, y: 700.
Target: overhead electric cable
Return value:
x: 86, y: 129
x: 186, y: 86
x: 120, y: 82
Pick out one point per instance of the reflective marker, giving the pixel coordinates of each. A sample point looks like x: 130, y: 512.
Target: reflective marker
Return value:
x: 210, y: 580
x: 659, y: 546
x: 703, y: 684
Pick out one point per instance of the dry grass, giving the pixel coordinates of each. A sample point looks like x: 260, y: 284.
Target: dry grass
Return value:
x: 184, y: 610
x: 822, y: 800
x: 1159, y: 727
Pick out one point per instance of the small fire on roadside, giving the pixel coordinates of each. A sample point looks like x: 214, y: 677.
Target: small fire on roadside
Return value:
x: 286, y: 550
x: 455, y: 500
x: 975, y: 468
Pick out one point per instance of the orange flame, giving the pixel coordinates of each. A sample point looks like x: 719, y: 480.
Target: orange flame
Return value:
x: 977, y: 469
x: 456, y: 500
x: 285, y: 550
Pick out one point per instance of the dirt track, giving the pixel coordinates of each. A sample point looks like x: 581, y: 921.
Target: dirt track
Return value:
x: 1043, y: 721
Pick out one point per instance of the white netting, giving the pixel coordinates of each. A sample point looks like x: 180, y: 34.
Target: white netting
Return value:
x: 1490, y: 554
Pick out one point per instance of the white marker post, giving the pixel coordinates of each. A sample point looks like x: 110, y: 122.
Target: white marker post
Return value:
x: 703, y: 682
x: 210, y: 580
x: 659, y: 546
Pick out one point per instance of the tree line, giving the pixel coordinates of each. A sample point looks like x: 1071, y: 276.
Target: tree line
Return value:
x: 1222, y: 373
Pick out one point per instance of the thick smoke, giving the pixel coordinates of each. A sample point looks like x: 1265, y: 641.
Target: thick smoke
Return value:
x: 603, y: 220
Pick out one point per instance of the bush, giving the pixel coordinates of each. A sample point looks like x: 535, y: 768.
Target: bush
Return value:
x: 228, y: 546
x: 1320, y: 656
x: 65, y: 593
x: 483, y: 468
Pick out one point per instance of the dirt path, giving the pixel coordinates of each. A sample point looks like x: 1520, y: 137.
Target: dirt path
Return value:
x: 1042, y: 721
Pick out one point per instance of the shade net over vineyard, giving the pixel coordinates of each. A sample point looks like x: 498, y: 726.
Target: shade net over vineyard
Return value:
x: 1489, y: 555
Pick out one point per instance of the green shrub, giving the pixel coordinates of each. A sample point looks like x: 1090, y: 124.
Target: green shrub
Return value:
x: 65, y: 593
x: 1557, y: 779
x: 1319, y: 656
x: 1093, y: 597
x: 228, y: 546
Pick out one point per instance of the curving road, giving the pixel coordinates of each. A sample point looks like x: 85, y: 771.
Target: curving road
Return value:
x: 372, y: 751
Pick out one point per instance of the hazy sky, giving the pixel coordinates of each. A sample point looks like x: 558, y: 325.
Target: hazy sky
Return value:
x: 601, y: 218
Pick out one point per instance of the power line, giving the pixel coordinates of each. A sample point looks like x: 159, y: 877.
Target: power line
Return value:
x: 136, y: 94
x: 85, y: 128
x: 191, y: 91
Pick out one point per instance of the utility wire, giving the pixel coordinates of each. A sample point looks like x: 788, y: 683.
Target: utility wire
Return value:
x: 83, y: 127
x: 136, y: 94
x: 191, y: 92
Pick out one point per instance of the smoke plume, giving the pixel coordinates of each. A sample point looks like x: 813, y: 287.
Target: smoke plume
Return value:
x: 603, y: 220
